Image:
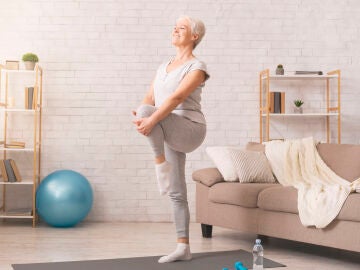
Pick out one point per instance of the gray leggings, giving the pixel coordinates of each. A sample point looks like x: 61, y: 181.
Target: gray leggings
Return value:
x: 173, y: 137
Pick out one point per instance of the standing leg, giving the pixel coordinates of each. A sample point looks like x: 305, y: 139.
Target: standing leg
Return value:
x: 178, y: 192
x: 178, y: 196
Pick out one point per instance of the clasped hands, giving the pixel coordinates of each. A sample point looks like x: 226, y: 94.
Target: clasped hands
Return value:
x: 143, y: 125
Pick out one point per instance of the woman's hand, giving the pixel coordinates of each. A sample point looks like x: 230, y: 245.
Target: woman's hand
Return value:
x: 144, y: 125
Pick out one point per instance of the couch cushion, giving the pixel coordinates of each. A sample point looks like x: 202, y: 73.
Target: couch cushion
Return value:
x: 284, y: 199
x: 279, y: 198
x: 245, y: 195
x: 343, y: 159
x: 255, y: 146
x: 351, y: 208
x: 208, y: 176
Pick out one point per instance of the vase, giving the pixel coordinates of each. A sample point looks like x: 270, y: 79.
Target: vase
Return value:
x: 29, y: 65
x: 298, y: 110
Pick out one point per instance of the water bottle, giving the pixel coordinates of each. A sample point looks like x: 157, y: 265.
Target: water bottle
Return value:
x: 258, y: 256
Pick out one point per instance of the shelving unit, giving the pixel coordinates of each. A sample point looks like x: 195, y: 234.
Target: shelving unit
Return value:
x: 264, y: 112
x: 35, y: 133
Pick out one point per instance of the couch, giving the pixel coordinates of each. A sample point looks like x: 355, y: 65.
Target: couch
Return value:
x: 270, y: 209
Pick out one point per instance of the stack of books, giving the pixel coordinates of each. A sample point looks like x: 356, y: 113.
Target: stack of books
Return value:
x: 31, y: 98
x: 277, y: 102
x: 9, y: 171
x: 19, y: 212
x: 13, y: 144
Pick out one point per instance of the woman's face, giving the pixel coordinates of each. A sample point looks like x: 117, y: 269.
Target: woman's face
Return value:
x: 181, y: 34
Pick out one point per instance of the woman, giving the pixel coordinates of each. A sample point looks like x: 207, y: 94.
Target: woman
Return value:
x: 171, y: 118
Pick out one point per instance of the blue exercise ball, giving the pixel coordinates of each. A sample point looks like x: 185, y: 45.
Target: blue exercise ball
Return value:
x: 64, y: 198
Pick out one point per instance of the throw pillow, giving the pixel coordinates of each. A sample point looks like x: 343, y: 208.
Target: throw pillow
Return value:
x: 251, y: 166
x: 221, y: 157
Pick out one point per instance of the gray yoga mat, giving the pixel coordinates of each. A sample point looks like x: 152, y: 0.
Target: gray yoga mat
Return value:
x: 200, y: 261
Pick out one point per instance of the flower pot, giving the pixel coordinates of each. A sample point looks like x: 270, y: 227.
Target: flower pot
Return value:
x: 298, y: 110
x: 279, y: 71
x: 29, y: 65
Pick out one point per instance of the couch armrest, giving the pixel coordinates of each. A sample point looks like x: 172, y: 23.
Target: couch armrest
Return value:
x: 208, y: 176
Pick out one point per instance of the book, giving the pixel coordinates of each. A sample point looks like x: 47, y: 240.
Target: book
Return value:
x: 16, y: 170
x: 3, y: 171
x: 271, y: 103
x: 35, y: 98
x: 304, y: 72
x: 282, y: 102
x: 12, y: 64
x: 277, y: 102
x: 29, y: 93
x: 9, y: 171
x: 26, y: 97
x: 19, y: 212
x: 15, y: 144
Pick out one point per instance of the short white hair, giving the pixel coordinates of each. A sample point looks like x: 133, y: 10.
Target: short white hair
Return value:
x: 197, y: 28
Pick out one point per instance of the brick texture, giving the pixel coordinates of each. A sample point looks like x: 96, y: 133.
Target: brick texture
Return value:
x: 99, y: 57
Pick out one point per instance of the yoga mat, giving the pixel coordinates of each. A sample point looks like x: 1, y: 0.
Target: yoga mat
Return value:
x: 201, y: 261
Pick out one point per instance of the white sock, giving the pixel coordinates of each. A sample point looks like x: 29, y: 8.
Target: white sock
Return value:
x: 181, y: 253
x: 163, y: 176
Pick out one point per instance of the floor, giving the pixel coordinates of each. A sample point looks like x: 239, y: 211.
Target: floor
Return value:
x: 20, y: 243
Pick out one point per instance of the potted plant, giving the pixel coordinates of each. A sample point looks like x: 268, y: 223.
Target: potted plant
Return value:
x: 29, y: 60
x: 298, y: 103
x: 279, y: 70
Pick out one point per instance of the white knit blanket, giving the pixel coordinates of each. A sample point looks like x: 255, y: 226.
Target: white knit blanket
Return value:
x: 321, y: 193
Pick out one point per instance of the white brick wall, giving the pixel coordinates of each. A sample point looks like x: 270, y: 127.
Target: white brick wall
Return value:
x: 99, y: 57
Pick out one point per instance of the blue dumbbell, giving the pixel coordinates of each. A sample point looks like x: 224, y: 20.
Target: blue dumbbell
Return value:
x: 240, y: 266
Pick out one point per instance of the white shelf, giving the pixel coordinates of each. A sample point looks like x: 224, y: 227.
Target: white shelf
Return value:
x: 5, y: 215
x: 19, y: 110
x: 17, y: 183
x: 301, y: 114
x: 17, y: 71
x: 300, y: 77
x: 17, y: 149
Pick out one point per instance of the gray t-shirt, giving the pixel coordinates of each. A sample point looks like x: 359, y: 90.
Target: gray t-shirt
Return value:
x: 167, y: 82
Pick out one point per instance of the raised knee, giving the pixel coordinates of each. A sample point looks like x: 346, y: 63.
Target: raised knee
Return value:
x: 145, y: 110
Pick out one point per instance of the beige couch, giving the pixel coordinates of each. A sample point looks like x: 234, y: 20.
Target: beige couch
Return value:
x: 271, y: 209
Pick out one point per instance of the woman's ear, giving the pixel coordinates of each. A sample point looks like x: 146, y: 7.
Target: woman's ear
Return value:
x: 194, y: 37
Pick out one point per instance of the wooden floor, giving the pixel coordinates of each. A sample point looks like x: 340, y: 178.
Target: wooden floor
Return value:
x: 20, y: 243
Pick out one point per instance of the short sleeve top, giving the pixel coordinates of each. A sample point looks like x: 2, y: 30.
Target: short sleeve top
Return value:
x: 166, y: 83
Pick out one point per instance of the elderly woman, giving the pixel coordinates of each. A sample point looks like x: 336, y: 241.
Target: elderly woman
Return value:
x: 171, y: 118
